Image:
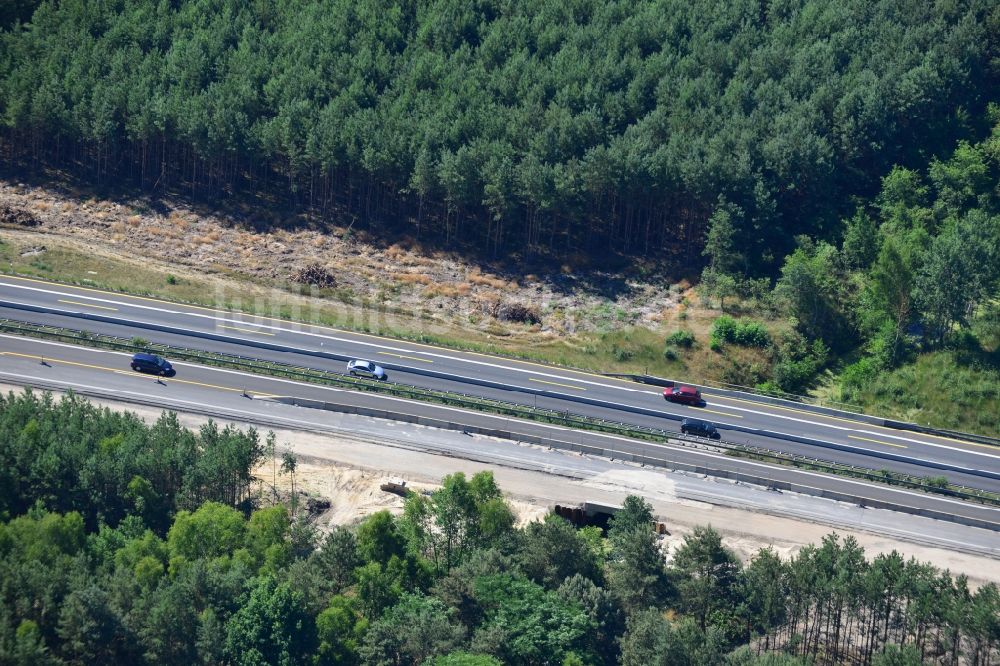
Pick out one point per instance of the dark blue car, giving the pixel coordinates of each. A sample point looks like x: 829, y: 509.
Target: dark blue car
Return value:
x: 152, y: 364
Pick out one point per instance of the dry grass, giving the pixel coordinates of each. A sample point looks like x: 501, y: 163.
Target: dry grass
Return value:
x: 481, y: 280
x: 448, y: 290
x: 207, y: 239
x: 118, y: 228
x: 319, y: 241
x: 396, y: 252
x: 42, y: 206
x: 165, y: 232
x: 412, y: 278
x: 101, y: 215
x: 134, y: 220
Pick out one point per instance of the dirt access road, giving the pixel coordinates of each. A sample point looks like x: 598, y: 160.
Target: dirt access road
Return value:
x: 348, y: 470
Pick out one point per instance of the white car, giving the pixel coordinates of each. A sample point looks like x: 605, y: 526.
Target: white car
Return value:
x: 359, y: 368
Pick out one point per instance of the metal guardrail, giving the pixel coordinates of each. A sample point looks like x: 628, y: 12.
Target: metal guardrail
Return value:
x: 821, y: 406
x: 491, y: 405
x: 710, y: 384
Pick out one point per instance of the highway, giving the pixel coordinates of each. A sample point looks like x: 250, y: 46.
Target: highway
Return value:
x: 253, y: 399
x: 740, y: 420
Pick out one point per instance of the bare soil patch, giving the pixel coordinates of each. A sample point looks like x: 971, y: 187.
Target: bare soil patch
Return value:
x: 349, y: 471
x: 262, y: 247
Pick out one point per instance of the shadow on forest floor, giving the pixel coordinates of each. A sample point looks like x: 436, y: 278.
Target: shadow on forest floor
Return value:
x: 600, y: 272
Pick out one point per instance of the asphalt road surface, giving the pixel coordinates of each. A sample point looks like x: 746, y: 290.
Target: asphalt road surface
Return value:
x: 967, y: 463
x: 248, y: 398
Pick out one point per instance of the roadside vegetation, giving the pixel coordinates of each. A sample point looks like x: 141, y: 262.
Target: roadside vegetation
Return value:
x: 822, y: 172
x: 127, y: 543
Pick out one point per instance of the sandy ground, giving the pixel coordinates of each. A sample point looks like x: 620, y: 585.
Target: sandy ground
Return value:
x: 348, y: 471
x: 262, y: 245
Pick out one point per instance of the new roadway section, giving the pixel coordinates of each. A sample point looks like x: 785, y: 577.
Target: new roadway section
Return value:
x: 255, y: 399
x: 783, y: 428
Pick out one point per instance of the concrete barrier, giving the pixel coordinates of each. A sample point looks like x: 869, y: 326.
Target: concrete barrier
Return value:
x: 757, y: 397
x: 816, y: 409
x: 884, y: 455
x: 741, y: 477
x: 476, y: 381
x: 481, y: 382
x: 261, y: 344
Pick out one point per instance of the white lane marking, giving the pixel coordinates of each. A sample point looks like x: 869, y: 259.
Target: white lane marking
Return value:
x: 854, y: 447
x: 245, y: 330
x: 293, y: 331
x: 748, y: 463
x: 866, y: 432
x: 484, y: 363
x: 740, y: 409
x: 87, y: 305
x: 332, y: 389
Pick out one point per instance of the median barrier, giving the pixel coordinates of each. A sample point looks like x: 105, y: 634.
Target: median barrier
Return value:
x: 261, y: 344
x: 884, y: 455
x: 756, y: 397
x: 817, y: 409
x: 615, y: 454
x: 646, y: 379
x: 500, y: 409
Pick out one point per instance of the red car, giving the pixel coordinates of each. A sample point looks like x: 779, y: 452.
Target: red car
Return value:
x: 686, y: 395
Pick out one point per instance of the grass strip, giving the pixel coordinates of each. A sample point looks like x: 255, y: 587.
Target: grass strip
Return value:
x: 939, y: 486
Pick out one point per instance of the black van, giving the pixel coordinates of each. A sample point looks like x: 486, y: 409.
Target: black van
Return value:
x: 699, y: 428
x: 152, y: 364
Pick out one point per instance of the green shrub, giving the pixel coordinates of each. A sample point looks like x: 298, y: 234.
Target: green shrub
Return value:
x: 680, y: 338
x: 621, y: 354
x: 747, y: 333
x: 795, y: 376
x: 770, y: 388
x: 752, y: 334
x: 796, y: 362
x: 935, y: 481
x: 724, y: 329
x: 670, y: 353
x: 860, y: 374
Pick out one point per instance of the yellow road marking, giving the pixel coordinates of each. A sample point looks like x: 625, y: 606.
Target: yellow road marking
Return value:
x: 542, y: 381
x: 767, y: 405
x: 130, y: 374
x: 318, y: 327
x: 868, y: 439
x: 603, y: 378
x: 412, y: 358
x: 87, y: 305
x: 245, y: 330
x: 715, y: 411
x: 961, y: 441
